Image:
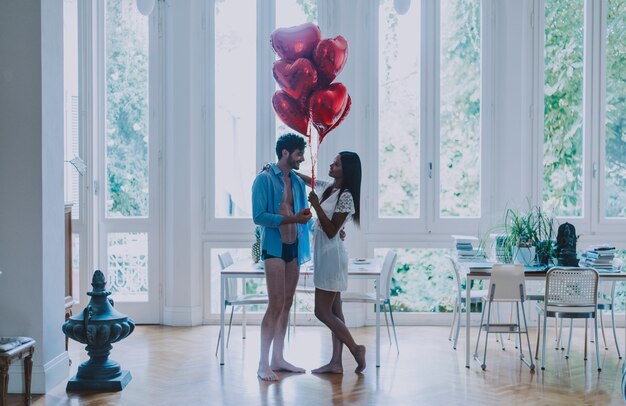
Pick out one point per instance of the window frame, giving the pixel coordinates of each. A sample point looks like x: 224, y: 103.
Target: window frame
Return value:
x: 429, y: 221
x: 593, y: 220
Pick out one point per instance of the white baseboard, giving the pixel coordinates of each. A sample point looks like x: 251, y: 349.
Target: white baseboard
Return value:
x: 45, y: 377
x: 182, y: 316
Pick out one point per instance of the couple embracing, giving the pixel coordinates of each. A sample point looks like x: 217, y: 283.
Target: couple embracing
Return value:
x: 280, y: 207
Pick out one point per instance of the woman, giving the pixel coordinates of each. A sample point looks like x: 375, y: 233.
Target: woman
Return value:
x: 340, y: 202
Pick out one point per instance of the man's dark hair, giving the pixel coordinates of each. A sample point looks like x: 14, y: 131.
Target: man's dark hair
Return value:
x: 290, y: 142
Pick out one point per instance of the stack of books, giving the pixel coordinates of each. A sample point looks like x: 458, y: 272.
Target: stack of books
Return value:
x: 467, y: 249
x: 599, y: 256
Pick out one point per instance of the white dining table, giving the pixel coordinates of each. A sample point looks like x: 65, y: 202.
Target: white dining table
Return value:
x: 477, y: 271
x: 365, y: 268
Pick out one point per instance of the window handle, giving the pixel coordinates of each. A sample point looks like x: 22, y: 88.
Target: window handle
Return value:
x: 594, y: 170
x: 430, y: 170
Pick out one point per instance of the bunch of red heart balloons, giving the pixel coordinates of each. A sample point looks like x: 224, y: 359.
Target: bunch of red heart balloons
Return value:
x: 304, y: 72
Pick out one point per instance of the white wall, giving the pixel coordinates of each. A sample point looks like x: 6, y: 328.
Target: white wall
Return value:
x: 31, y: 184
x: 183, y: 162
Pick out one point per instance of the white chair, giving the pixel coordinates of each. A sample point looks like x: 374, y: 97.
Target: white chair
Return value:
x: 606, y: 299
x: 506, y: 285
x: 460, y: 299
x: 231, y: 298
x: 571, y: 293
x: 386, y: 272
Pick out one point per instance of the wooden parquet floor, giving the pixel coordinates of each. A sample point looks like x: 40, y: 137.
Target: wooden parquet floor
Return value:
x: 177, y: 366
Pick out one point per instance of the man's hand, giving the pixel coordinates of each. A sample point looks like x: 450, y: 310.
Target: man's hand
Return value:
x: 303, y: 216
x: 342, y: 234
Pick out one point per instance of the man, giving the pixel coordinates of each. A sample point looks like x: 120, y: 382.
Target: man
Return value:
x: 279, y: 205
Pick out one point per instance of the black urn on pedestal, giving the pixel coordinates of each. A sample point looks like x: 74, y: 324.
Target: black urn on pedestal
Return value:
x: 99, y: 325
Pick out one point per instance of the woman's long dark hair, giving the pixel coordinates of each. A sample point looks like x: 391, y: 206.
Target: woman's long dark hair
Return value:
x: 351, y: 181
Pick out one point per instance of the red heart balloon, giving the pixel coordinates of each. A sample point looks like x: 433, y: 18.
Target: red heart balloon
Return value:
x: 290, y: 112
x: 330, y: 56
x: 326, y: 106
x: 296, y: 42
x: 343, y: 116
x: 297, y: 78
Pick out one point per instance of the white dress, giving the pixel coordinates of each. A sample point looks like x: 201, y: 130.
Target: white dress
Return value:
x: 330, y: 259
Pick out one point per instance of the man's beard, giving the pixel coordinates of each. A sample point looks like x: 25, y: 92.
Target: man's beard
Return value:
x: 293, y: 163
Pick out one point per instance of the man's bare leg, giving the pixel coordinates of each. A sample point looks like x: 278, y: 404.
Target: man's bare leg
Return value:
x: 292, y: 273
x: 275, y: 279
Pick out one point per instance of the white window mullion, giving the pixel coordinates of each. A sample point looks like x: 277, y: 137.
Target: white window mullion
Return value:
x: 615, y: 223
x: 209, y: 114
x: 591, y: 116
x: 430, y: 140
x: 536, y: 108
x: 599, y: 150
x: 266, y: 118
x: 488, y: 148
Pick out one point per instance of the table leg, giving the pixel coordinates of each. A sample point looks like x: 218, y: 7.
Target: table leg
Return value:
x: 468, y: 295
x: 28, y: 374
x: 243, y: 311
x: 4, y: 381
x: 378, y: 323
x: 222, y: 283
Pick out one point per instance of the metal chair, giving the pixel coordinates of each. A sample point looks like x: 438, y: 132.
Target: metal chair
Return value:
x: 571, y: 293
x: 231, y: 298
x: 386, y: 274
x: 506, y: 286
x: 460, y: 299
x: 606, y: 299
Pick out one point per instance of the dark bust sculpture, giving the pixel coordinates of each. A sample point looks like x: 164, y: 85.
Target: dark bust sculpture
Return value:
x: 566, y: 245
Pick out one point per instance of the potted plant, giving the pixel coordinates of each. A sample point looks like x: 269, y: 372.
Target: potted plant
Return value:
x: 528, y: 237
x: 546, y: 235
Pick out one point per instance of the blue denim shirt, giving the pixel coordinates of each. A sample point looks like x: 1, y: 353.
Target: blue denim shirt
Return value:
x: 267, y: 193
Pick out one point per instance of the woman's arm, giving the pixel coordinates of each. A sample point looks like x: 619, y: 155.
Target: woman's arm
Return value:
x: 330, y: 226
x: 305, y: 178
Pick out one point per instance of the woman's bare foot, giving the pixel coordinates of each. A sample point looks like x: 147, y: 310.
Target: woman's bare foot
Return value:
x: 284, y: 366
x: 265, y: 373
x: 359, y: 356
x: 330, y: 368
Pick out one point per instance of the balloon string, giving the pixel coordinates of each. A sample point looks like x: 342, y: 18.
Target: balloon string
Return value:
x: 313, y: 158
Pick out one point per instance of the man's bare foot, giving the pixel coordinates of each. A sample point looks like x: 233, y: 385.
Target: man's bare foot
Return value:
x: 266, y: 374
x: 284, y: 366
x: 330, y: 368
x: 359, y: 356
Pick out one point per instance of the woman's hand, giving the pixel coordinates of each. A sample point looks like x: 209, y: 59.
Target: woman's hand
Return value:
x: 314, y: 200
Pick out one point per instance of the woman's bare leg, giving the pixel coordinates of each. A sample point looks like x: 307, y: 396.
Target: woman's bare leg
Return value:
x: 323, y: 311
x: 335, y: 366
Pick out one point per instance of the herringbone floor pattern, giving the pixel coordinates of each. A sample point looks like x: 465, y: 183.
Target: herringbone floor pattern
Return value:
x: 177, y: 366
